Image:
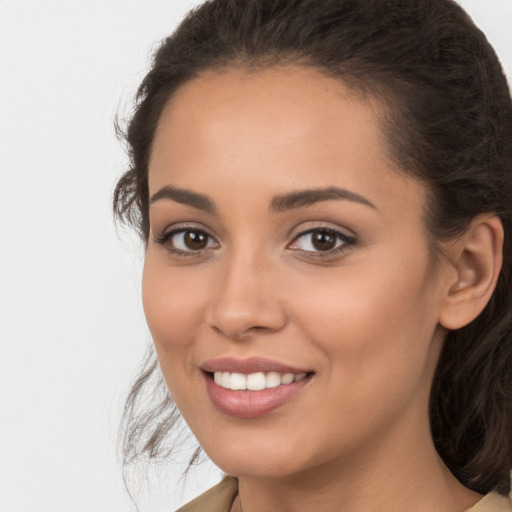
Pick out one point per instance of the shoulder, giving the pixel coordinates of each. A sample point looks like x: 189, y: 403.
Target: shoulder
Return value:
x: 217, y: 499
x: 493, y: 502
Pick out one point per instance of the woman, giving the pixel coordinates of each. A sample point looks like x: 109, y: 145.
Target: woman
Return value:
x: 325, y: 194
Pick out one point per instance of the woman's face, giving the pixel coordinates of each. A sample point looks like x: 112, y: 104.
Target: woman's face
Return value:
x: 287, y: 253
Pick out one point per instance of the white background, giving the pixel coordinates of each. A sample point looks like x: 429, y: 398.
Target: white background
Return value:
x: 71, y: 324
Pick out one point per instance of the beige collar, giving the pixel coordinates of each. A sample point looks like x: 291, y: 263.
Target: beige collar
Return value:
x: 220, y: 498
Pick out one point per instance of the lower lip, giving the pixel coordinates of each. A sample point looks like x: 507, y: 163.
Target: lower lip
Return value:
x: 251, y: 404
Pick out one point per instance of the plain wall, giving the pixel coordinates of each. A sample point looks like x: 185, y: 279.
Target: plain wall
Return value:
x: 72, y: 329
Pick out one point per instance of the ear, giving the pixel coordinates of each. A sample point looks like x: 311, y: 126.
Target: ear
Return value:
x: 476, y: 259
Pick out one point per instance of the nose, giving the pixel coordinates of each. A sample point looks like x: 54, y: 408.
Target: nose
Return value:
x: 247, y: 299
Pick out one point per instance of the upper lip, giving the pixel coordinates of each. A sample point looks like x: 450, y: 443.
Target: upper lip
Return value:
x: 250, y: 365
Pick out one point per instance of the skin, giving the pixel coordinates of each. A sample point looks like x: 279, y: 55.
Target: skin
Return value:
x: 365, y: 320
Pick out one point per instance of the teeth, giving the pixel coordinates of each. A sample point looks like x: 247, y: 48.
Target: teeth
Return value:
x: 255, y: 381
x: 287, y: 378
x: 238, y: 381
x: 272, y: 380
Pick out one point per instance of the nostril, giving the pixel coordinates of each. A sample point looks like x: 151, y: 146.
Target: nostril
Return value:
x: 240, y: 332
x: 258, y: 328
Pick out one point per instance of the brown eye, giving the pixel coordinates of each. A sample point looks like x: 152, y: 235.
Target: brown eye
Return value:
x: 185, y: 241
x: 323, y: 240
x: 195, y: 240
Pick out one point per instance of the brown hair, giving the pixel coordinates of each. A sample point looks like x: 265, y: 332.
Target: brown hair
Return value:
x: 449, y: 122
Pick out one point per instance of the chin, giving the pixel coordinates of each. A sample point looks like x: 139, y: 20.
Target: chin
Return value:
x: 255, y: 468
x: 259, y: 460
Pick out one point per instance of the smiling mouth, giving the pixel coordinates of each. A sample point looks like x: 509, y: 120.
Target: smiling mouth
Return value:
x: 254, y: 381
x: 251, y: 395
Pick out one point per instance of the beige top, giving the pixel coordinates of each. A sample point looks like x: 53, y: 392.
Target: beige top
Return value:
x: 220, y: 498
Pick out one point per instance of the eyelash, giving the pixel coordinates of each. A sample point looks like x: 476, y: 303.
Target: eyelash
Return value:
x: 346, y: 242
x: 167, y: 236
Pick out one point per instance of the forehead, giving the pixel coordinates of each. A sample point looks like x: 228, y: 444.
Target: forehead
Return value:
x: 284, y: 127
x: 234, y: 106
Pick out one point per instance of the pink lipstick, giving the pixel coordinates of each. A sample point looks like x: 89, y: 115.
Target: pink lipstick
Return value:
x: 248, y: 388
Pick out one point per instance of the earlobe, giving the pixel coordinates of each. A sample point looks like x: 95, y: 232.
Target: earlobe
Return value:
x: 476, y: 258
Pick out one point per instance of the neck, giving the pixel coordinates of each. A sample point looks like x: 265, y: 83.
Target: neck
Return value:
x: 394, y: 476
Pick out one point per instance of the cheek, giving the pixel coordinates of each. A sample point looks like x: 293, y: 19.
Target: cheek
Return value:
x: 172, y: 305
x: 378, y: 319
x: 375, y: 335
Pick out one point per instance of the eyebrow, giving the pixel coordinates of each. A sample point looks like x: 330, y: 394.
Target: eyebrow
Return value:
x: 280, y: 203
x: 183, y: 196
x: 311, y: 196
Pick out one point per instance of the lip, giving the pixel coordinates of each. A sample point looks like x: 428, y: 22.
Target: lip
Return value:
x: 250, y: 365
x: 251, y: 404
